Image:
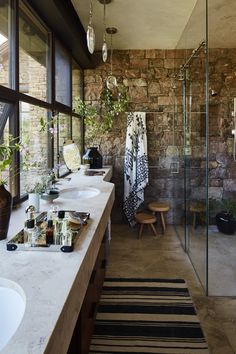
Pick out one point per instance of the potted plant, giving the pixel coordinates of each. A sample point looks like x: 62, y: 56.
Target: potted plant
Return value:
x: 226, y: 218
x: 6, y: 155
x: 36, y: 188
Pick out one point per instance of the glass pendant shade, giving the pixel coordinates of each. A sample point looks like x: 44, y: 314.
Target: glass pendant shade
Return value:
x: 90, y: 38
x: 111, y: 82
x: 104, y: 51
x: 90, y: 31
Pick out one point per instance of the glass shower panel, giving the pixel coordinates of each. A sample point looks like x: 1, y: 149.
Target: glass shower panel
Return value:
x: 193, y: 75
x: 222, y: 164
x: 178, y: 163
x: 195, y: 162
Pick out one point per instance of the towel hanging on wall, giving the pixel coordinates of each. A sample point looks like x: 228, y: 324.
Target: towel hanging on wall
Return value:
x: 135, y: 165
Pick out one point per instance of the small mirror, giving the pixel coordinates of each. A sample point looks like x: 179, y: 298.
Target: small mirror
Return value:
x: 71, y: 155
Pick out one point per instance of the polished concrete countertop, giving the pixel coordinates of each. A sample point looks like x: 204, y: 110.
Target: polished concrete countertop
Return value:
x: 55, y: 283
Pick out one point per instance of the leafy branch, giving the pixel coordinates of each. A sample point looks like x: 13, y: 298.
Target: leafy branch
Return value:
x: 6, y: 155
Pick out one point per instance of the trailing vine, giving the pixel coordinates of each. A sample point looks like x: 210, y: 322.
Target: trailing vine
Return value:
x: 113, y: 102
x: 99, y: 120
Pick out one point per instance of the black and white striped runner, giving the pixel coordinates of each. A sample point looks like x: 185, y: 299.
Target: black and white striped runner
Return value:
x: 147, y: 316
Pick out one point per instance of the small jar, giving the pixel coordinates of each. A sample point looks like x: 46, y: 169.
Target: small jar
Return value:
x: 93, y: 157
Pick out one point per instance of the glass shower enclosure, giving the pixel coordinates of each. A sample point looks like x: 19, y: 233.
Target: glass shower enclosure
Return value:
x: 205, y: 101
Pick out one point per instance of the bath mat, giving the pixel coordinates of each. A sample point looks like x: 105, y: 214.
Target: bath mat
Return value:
x: 146, y: 316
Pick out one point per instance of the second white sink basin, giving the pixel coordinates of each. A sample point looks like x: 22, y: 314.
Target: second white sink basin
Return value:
x: 79, y: 193
x: 12, y: 308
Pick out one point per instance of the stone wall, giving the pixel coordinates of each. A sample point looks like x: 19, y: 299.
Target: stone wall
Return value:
x: 148, y: 75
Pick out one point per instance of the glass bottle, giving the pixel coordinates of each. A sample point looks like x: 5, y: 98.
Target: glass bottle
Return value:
x: 50, y: 233
x: 58, y: 228
x: 31, y: 231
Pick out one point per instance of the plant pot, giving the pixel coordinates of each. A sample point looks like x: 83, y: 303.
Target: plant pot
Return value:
x: 225, y: 223
x: 5, y: 211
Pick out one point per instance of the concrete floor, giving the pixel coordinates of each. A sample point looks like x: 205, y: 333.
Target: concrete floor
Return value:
x: 164, y: 257
x: 221, y: 258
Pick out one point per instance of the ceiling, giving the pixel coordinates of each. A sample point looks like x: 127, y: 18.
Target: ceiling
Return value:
x: 161, y: 24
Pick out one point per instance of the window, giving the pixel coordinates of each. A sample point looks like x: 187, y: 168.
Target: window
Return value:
x: 77, y: 81
x: 6, y: 116
x: 62, y: 134
x: 34, y: 154
x: 63, y: 75
x: 34, y: 56
x: 37, y: 96
x: 77, y: 133
x: 5, y: 43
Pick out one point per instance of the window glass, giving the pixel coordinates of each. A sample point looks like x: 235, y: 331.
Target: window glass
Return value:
x: 62, y: 133
x: 77, y: 133
x: 6, y: 114
x: 33, y: 56
x: 34, y: 152
x: 77, y: 81
x: 5, y: 42
x: 63, y: 75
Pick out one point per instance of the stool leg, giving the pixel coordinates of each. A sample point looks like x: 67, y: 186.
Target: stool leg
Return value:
x: 140, y: 231
x: 163, y: 222
x: 153, y: 229
x: 194, y: 220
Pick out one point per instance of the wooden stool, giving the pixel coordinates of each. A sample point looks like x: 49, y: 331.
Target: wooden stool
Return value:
x: 145, y: 218
x: 196, y: 209
x: 160, y: 207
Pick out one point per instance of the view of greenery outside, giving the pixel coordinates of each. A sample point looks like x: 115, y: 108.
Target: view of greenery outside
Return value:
x: 42, y: 149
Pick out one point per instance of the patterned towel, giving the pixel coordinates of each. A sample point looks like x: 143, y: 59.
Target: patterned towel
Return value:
x: 136, y: 164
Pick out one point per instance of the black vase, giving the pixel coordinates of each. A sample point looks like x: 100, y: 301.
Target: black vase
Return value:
x: 5, y: 211
x: 93, y: 158
x: 225, y: 223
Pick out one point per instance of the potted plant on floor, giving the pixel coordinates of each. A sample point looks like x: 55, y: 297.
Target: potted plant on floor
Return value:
x: 226, y: 218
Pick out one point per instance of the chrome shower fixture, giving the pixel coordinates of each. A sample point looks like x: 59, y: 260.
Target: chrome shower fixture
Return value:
x: 213, y: 93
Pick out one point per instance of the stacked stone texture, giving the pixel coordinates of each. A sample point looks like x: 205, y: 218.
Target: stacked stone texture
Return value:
x: 148, y: 76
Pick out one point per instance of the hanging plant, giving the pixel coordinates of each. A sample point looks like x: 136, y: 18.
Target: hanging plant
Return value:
x: 113, y: 102
x: 88, y: 112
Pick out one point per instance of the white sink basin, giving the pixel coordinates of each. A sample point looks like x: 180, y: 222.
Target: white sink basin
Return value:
x: 12, y: 308
x: 79, y: 193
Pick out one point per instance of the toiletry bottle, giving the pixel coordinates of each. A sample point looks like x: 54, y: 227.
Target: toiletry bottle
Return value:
x: 31, y: 232
x: 50, y: 233
x: 59, y: 223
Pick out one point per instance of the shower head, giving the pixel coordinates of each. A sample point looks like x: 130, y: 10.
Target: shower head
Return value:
x: 214, y: 93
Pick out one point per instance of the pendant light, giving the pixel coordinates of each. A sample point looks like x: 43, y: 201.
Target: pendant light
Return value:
x: 104, y: 45
x: 90, y: 31
x: 111, y: 81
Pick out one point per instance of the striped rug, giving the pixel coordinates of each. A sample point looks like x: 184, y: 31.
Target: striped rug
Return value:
x: 146, y: 316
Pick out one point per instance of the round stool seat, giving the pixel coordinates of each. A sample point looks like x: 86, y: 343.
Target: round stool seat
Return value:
x: 160, y: 207
x: 145, y: 218
x: 196, y: 209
